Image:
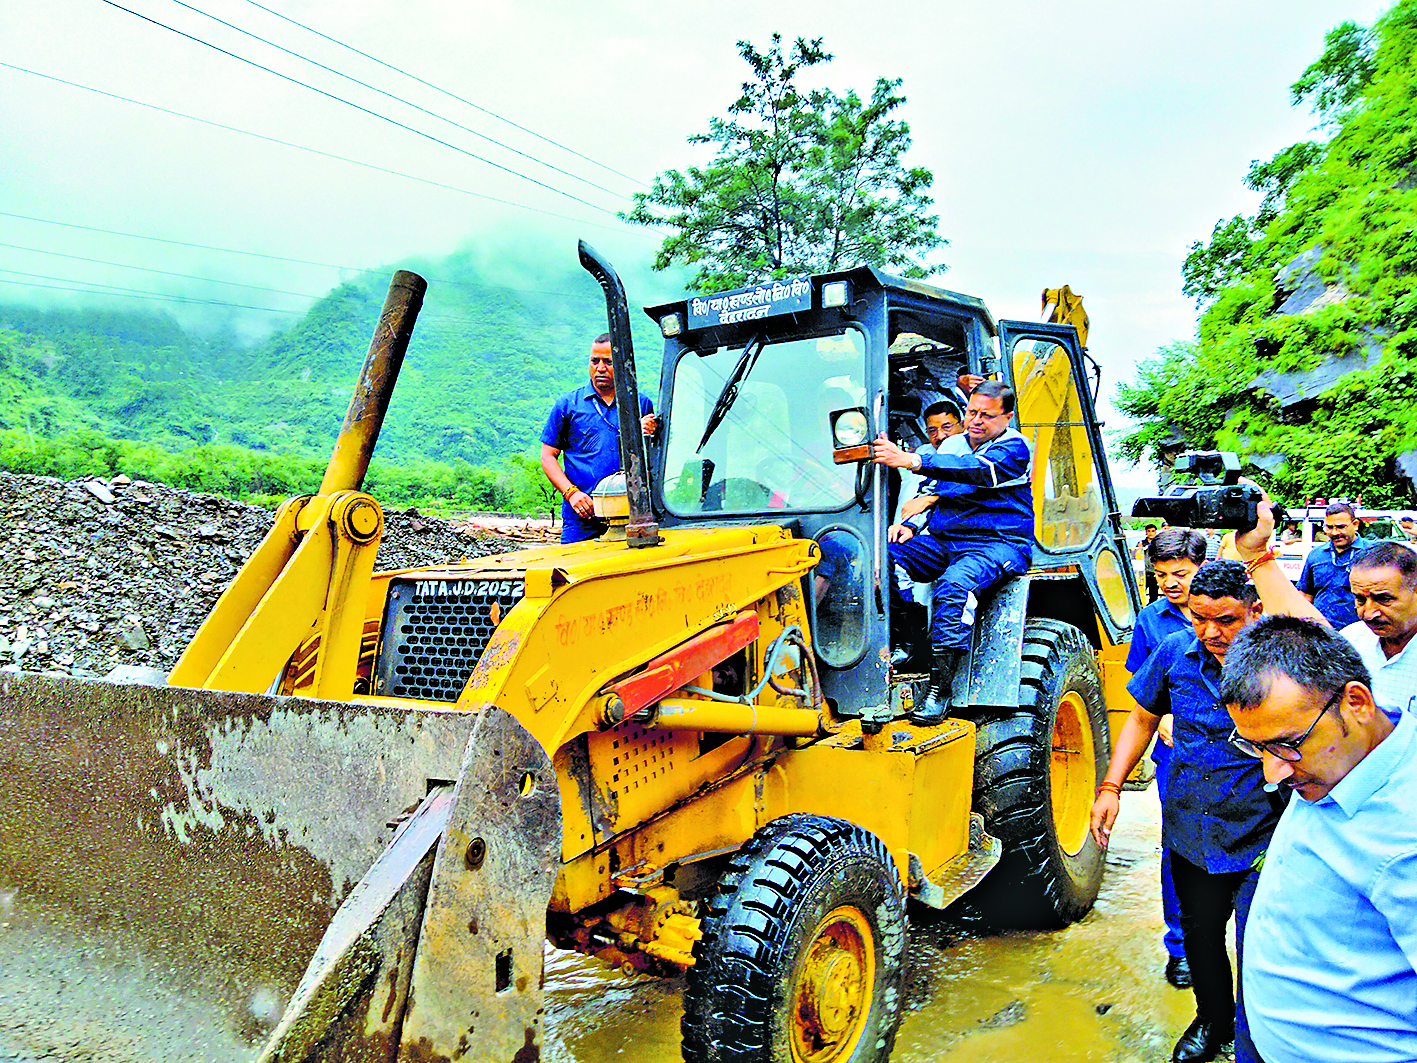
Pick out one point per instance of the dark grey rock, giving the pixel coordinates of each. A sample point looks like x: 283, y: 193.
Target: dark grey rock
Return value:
x: 94, y: 573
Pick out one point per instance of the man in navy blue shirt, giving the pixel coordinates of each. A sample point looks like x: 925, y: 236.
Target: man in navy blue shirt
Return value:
x: 1324, y: 580
x: 1176, y: 554
x: 1217, y: 818
x: 584, y: 431
x: 981, y: 530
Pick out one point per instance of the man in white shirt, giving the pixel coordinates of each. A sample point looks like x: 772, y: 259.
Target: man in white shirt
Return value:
x: 1384, y: 583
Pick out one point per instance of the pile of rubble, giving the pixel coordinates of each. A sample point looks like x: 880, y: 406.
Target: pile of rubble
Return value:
x: 95, y: 574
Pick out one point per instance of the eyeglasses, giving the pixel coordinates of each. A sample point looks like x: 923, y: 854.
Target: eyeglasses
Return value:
x: 982, y: 415
x: 1287, y: 749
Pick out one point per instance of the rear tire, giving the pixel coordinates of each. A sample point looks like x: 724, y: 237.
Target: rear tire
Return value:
x: 1036, y: 772
x: 803, y: 954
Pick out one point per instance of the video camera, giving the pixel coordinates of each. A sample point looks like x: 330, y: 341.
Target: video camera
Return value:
x: 1216, y: 500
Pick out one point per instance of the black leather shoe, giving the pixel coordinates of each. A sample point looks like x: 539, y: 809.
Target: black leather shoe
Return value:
x: 1202, y: 1042
x: 1178, y: 972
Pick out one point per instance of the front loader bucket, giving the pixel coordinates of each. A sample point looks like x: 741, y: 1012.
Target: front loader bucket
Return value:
x: 171, y: 859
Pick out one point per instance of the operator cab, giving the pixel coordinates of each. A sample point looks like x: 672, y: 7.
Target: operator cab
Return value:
x: 770, y: 396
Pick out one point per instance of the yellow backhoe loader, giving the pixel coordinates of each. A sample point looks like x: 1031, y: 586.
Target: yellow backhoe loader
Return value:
x: 346, y: 824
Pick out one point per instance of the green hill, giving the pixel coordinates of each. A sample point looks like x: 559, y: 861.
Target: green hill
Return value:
x: 488, y: 357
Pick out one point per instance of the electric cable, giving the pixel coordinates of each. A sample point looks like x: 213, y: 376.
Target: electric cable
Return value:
x: 450, y: 95
x: 163, y: 272
x: 459, y: 318
x: 360, y: 107
x: 399, y: 99
x: 251, y: 254
x: 133, y: 293
x: 141, y: 293
x: 307, y: 148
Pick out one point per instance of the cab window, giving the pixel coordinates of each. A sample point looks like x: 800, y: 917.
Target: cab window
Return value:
x: 762, y: 444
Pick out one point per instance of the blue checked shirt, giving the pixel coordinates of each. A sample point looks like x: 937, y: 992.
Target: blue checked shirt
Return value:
x: 1325, y: 579
x: 1216, y: 814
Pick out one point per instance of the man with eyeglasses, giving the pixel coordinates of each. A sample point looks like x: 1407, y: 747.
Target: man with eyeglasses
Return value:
x: 1330, y: 959
x: 1216, y: 818
x: 1383, y: 589
x: 981, y: 530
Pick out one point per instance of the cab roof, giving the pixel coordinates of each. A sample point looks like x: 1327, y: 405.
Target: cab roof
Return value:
x: 869, y: 278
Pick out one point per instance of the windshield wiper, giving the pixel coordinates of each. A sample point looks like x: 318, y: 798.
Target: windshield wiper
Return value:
x: 729, y: 395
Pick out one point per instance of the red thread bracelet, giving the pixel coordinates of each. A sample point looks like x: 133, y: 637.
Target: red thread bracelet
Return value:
x: 1256, y: 562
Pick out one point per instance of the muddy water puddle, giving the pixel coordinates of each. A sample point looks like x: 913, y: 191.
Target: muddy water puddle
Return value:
x: 1092, y: 993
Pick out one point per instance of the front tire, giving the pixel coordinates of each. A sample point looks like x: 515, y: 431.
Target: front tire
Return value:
x: 803, y: 954
x: 1035, y: 777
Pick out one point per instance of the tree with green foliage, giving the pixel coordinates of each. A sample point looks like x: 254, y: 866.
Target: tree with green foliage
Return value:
x: 1333, y: 83
x: 802, y: 181
x: 1349, y: 206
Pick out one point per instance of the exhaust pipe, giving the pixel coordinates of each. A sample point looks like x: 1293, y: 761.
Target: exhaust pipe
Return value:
x: 642, y: 530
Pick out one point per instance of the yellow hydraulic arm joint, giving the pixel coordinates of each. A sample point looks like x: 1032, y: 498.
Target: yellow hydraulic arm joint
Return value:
x: 1063, y: 306
x: 308, y: 576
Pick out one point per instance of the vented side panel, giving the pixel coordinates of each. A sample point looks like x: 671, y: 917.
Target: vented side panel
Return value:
x: 435, y: 630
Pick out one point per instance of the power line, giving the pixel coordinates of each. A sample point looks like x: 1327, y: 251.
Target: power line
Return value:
x: 150, y: 296
x: 359, y: 107
x: 163, y: 272
x: 303, y: 147
x: 399, y: 99
x: 307, y: 148
x: 130, y: 293
x: 273, y: 258
x: 450, y: 95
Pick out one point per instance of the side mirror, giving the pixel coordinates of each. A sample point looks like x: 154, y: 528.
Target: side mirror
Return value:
x: 851, y: 435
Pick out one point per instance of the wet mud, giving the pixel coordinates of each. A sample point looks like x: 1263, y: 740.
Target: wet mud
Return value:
x: 1092, y: 993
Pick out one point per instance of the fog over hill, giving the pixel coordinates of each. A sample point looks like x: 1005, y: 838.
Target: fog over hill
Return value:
x: 499, y: 337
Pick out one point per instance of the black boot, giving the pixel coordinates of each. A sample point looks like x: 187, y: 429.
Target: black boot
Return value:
x: 935, y: 705
x: 908, y: 628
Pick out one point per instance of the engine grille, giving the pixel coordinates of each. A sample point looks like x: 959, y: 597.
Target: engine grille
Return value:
x: 435, y: 629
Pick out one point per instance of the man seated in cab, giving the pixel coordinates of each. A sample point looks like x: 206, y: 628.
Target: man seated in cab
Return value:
x: 943, y: 419
x: 980, y: 531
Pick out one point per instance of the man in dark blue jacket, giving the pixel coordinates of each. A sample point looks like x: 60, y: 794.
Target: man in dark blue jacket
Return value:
x: 979, y: 533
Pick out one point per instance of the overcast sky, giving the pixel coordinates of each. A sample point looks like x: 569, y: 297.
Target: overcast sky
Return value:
x: 1084, y: 144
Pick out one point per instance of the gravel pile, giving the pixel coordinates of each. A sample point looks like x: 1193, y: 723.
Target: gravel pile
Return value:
x: 95, y: 574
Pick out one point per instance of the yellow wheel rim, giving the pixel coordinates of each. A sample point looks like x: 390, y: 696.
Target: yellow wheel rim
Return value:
x: 1072, y: 773
x: 832, y: 997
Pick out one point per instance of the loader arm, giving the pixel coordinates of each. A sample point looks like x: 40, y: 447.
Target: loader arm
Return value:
x: 196, y: 843
x: 309, y: 578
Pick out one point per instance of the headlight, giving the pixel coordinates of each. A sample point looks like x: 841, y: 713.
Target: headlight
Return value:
x: 671, y: 325
x: 850, y: 428
x: 835, y: 293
